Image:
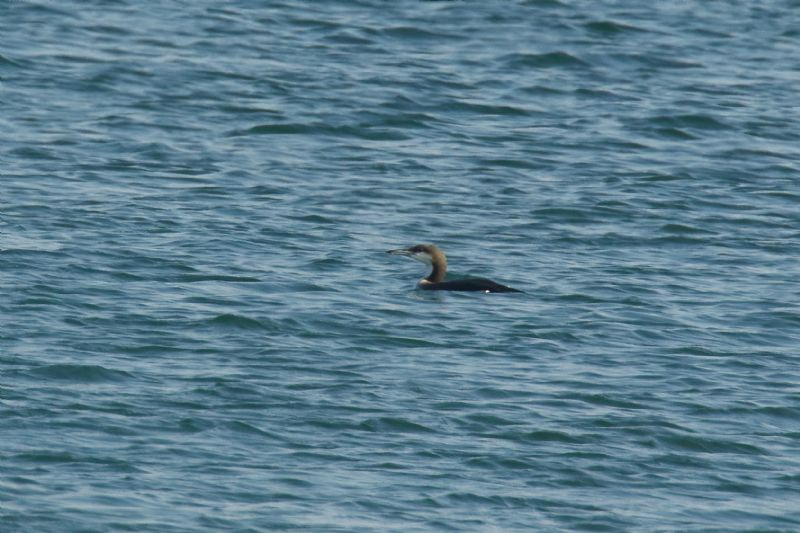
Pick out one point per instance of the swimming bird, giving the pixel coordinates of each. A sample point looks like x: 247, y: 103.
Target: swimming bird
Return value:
x: 432, y: 256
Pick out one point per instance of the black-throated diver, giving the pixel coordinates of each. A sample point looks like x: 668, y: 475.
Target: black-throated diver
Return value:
x: 432, y: 256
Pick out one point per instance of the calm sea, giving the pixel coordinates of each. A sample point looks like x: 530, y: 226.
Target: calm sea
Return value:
x: 200, y: 330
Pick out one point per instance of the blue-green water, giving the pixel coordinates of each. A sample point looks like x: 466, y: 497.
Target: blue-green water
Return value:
x: 200, y: 330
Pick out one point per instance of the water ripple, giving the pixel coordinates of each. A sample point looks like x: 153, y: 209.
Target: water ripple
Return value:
x: 200, y: 330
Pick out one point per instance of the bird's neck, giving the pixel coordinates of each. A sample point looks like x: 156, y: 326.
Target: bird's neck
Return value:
x: 437, y: 271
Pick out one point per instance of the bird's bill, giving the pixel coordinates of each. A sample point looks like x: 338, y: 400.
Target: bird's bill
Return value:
x: 399, y: 251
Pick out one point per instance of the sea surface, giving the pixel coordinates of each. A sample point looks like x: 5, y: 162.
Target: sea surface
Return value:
x: 200, y: 329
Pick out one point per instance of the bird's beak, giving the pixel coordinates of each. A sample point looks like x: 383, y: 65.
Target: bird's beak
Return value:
x: 399, y: 251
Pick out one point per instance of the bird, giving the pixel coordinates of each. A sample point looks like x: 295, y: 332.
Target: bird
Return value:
x: 434, y: 257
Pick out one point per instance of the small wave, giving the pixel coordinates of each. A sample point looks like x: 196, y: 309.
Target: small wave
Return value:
x: 564, y: 214
x: 702, y: 122
x: 541, y: 435
x: 680, y: 238
x: 239, y: 322
x: 601, y: 94
x: 505, y: 463
x: 243, y: 427
x: 541, y: 90
x: 28, y: 152
x: 605, y: 400
x: 47, y: 456
x: 266, y: 190
x: 274, y: 129
x: 192, y: 278
x: 484, y: 109
x: 315, y: 219
x: 366, y: 132
x: 23, y: 244
x: 399, y: 120
x: 610, y: 27
x: 674, y: 133
x: 682, y: 229
x: 659, y: 177
x: 80, y: 373
x: 347, y: 37
x: 416, y: 34
x: 6, y: 61
x: 696, y: 443
x: 547, y: 60
x: 544, y: 3
x: 509, y: 163
x: 395, y: 425
x: 655, y: 62
x: 194, y: 425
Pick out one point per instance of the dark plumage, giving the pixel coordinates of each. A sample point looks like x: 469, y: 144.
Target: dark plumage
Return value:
x: 431, y: 255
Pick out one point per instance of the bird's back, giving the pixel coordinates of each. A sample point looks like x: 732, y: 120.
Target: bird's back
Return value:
x: 468, y: 284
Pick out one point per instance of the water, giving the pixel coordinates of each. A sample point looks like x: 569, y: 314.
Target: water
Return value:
x: 199, y: 330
